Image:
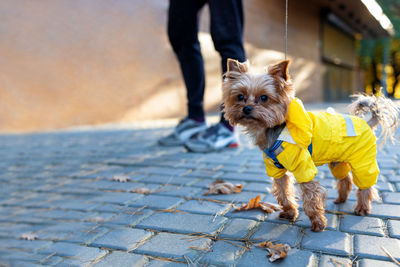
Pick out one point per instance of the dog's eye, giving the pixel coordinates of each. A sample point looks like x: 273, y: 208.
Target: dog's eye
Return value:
x: 263, y: 98
x: 240, y: 97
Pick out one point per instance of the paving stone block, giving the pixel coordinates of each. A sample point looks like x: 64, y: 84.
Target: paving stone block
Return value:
x: 361, y: 225
x: 397, y: 186
x: 332, y: 194
x: 394, y: 228
x: 177, y: 190
x: 388, y: 174
x: 258, y: 215
x: 85, y: 237
x: 243, y: 197
x: 123, y: 238
x: 204, y: 207
x: 257, y: 257
x: 160, y: 263
x: 283, y: 233
x: 384, y: 187
x: 183, y: 223
x: 174, y: 246
x: 370, y: 247
x: 63, y: 214
x: 258, y: 187
x: 203, y: 183
x: 223, y: 254
x: 120, y: 198
x: 99, y: 217
x: 248, y: 177
x: 73, y: 204
x: 79, y: 236
x: 202, y: 173
x: 16, y: 230
x: 110, y: 185
x: 112, y: 208
x: 328, y: 241
x: 329, y: 184
x: 391, y: 197
x: 122, y: 259
x: 130, y: 218
x: 167, y: 171
x: 81, y: 253
x: 174, y: 180
x: 377, y: 210
x: 391, y: 177
x: 303, y: 220
x: 375, y: 263
x: 333, y: 261
x: 238, y: 228
x: 27, y: 245
x: 157, y: 202
x: 70, y: 227
x: 14, y: 257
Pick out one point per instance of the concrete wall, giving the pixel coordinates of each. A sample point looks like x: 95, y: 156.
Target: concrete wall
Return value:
x: 65, y: 63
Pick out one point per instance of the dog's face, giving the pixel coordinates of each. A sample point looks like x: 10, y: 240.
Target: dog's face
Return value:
x: 256, y: 100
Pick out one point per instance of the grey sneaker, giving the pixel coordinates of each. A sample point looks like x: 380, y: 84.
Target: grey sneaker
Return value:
x: 215, y: 138
x: 185, y: 129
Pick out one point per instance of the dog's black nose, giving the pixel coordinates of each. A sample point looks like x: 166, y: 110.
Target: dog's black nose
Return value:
x: 247, y: 110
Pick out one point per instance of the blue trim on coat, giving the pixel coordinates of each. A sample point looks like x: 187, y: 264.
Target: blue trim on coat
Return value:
x: 271, y: 153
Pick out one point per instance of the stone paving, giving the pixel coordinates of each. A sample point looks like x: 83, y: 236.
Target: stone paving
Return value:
x: 58, y: 189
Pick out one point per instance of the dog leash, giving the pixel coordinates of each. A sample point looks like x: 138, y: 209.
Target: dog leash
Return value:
x: 286, y: 18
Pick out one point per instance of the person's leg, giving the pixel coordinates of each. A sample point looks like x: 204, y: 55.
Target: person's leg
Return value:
x: 182, y: 33
x: 227, y: 20
x: 183, y: 36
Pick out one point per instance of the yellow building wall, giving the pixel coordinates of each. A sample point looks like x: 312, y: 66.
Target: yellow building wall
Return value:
x: 65, y: 63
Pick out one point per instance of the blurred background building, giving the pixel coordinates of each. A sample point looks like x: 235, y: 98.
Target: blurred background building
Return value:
x: 66, y: 63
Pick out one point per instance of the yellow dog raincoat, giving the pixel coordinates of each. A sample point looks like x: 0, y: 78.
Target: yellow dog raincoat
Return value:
x: 312, y: 139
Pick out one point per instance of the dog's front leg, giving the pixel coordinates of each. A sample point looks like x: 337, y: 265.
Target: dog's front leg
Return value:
x: 314, y: 196
x: 284, y: 193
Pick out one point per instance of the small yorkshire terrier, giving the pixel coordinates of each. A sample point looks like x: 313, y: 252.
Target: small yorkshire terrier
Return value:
x: 297, y: 141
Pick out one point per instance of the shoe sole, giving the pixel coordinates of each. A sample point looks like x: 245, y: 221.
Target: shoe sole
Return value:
x: 208, y: 150
x: 183, y: 137
x: 189, y: 133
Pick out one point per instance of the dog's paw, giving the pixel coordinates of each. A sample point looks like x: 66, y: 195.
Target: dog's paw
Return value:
x: 290, y: 215
x: 318, y: 224
x: 361, y: 210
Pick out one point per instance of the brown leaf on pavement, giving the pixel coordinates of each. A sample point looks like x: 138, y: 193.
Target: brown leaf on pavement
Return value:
x: 28, y: 236
x: 121, y: 178
x: 222, y: 187
x: 142, y: 190
x: 276, y: 251
x: 256, y: 203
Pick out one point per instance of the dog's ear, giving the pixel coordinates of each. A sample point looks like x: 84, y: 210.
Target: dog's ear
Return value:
x: 280, y: 70
x: 234, y: 65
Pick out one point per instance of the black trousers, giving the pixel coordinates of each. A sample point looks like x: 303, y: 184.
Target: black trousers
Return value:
x: 227, y: 35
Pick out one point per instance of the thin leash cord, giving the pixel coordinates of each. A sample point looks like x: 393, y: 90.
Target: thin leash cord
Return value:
x: 286, y: 17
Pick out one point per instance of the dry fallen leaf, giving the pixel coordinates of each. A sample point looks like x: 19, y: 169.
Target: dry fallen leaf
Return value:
x: 276, y: 251
x: 96, y: 219
x: 222, y: 187
x: 142, y: 190
x: 121, y: 178
x: 255, y: 203
x: 28, y: 236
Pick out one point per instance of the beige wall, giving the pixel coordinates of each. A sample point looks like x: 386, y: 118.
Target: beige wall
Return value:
x: 65, y: 63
